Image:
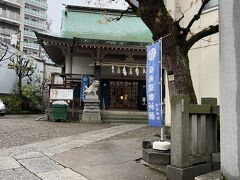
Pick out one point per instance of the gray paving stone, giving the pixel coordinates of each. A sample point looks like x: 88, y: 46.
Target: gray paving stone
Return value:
x: 8, y: 163
x: 40, y: 165
x: 62, y: 174
x: 29, y: 155
x: 17, y: 174
x: 216, y: 175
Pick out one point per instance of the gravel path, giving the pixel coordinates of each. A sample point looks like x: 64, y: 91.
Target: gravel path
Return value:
x: 16, y: 130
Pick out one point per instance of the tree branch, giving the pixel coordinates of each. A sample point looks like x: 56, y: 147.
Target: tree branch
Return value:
x: 196, y: 16
x: 3, y: 55
x: 134, y: 4
x: 118, y: 18
x: 201, y: 34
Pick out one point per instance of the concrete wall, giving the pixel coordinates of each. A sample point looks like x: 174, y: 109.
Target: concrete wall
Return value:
x: 230, y: 88
x: 8, y: 77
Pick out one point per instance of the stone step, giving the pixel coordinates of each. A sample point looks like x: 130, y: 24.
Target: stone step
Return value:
x: 125, y: 112
x: 124, y: 117
x: 156, y: 157
x: 123, y: 121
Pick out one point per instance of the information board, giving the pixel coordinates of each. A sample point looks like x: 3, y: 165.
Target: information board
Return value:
x: 61, y: 94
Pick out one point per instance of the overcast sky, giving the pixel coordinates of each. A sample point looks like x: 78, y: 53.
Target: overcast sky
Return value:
x: 55, y: 8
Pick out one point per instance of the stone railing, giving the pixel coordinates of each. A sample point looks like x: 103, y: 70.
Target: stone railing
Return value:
x: 193, y: 136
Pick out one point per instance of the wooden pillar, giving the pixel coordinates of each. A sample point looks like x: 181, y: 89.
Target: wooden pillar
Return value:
x: 68, y: 64
x: 97, y: 71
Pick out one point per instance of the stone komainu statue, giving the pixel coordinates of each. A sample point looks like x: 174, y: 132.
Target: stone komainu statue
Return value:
x: 92, y: 89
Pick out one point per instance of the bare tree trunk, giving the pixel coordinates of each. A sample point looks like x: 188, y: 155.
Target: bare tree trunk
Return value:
x: 175, y: 52
x: 176, y: 62
x: 20, y: 86
x: 20, y: 90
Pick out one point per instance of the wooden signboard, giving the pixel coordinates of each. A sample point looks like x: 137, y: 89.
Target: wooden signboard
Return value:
x: 61, y: 94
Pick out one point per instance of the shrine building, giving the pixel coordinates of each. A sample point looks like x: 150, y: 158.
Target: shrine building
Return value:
x: 93, y: 43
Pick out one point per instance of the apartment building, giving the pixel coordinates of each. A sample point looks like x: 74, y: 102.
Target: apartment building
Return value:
x: 35, y: 20
x: 11, y: 19
x: 22, y: 17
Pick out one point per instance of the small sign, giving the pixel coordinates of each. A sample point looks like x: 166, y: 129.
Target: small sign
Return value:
x: 84, y: 85
x: 170, y: 78
x: 61, y: 94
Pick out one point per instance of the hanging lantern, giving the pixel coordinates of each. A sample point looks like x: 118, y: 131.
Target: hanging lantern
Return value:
x: 137, y: 71
x: 124, y: 71
x: 130, y: 71
x: 118, y: 70
x: 113, y: 69
x: 144, y: 70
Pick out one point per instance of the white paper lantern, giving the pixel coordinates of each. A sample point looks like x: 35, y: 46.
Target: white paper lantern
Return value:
x: 124, y: 71
x: 130, y: 71
x: 144, y: 70
x: 137, y: 71
x: 118, y: 70
x: 113, y: 69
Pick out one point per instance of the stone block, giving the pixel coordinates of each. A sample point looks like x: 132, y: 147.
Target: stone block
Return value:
x: 216, y: 175
x: 17, y: 174
x: 147, y: 143
x: 209, y: 101
x: 156, y: 157
x: 188, y: 173
x: 8, y: 163
x: 29, y: 155
x: 216, y: 157
x: 91, y: 101
x: 90, y: 118
x: 62, y: 174
x: 40, y: 165
x: 216, y: 166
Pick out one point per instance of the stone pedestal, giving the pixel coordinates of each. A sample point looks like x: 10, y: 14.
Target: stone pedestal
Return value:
x: 188, y: 173
x: 91, y: 112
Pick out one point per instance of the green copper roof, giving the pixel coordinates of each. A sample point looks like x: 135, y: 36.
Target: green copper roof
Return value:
x: 93, y: 25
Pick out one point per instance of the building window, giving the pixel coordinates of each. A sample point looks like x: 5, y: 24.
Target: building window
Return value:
x: 211, y: 4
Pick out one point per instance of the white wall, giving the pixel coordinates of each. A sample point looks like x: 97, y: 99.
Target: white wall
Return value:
x: 80, y: 65
x: 8, y: 77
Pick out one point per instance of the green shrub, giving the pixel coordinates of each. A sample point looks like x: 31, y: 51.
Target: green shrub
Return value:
x: 12, y: 103
x: 32, y: 99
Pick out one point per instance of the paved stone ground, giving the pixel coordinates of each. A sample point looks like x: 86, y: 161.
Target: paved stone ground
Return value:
x: 106, y: 153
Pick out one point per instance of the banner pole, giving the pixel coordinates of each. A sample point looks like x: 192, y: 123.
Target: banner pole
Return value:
x: 161, y: 84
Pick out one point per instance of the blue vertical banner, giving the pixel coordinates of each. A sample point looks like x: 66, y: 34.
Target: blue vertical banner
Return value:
x: 85, y: 80
x: 153, y: 85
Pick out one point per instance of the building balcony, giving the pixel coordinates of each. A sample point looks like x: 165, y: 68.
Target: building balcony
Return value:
x: 38, y: 4
x: 8, y: 32
x: 10, y: 18
x: 31, y: 45
x: 36, y: 14
x: 30, y: 34
x: 36, y: 24
x: 12, y: 3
